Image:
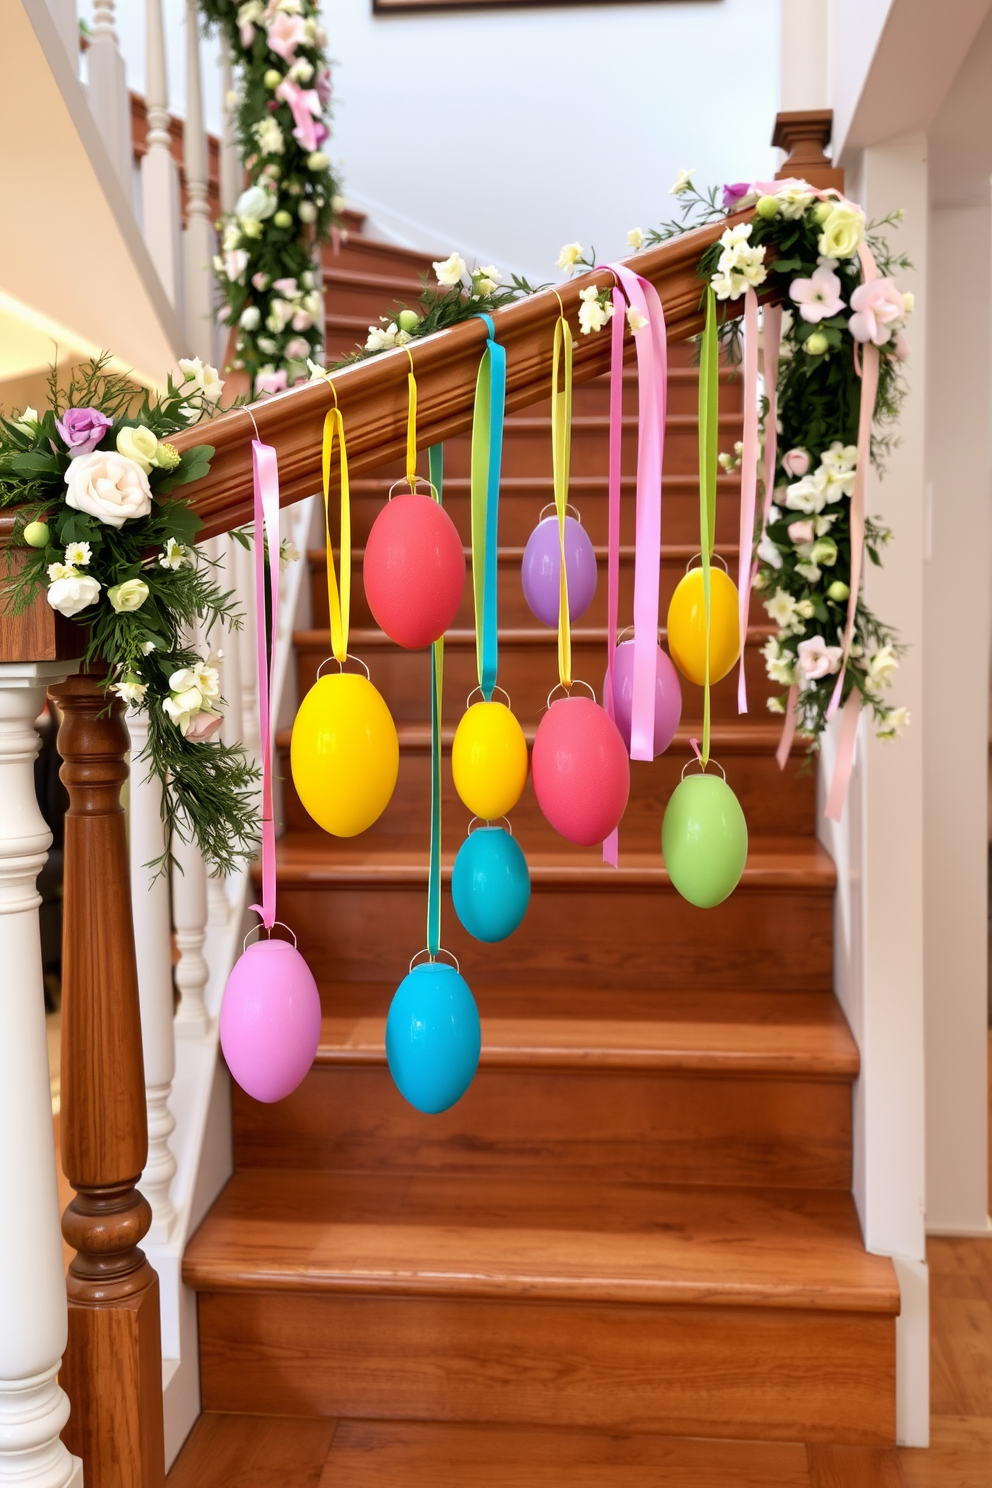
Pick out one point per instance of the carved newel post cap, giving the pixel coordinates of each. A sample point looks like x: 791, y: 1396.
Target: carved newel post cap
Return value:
x: 805, y: 134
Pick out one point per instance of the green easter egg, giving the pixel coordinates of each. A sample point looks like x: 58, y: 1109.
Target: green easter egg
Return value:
x: 704, y: 840
x: 36, y: 534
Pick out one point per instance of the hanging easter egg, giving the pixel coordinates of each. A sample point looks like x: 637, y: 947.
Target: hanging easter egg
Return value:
x: 345, y: 755
x: 433, y: 1037
x: 667, y: 695
x: 687, y: 625
x: 270, y: 1020
x: 414, y: 570
x: 540, y: 572
x: 490, y: 884
x: 704, y: 840
x: 581, y: 771
x: 489, y: 760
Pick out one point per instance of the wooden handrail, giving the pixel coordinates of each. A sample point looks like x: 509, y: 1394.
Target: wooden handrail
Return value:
x: 373, y: 394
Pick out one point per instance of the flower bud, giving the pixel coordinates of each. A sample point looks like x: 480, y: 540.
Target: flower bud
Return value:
x: 307, y: 211
x: 272, y: 79
x: 282, y: 219
x: 767, y: 207
x: 838, y: 591
x: 822, y: 211
x: 36, y: 534
x: 817, y: 344
x: 408, y: 320
x: 318, y: 161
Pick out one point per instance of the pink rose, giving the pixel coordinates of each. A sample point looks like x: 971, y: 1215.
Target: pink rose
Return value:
x: 286, y: 32
x: 876, y: 305
x: 203, y: 726
x: 271, y: 381
x: 298, y: 349
x: 817, y: 659
x: 796, y: 462
x: 801, y: 532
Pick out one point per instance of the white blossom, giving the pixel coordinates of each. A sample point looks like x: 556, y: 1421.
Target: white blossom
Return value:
x: 569, y: 257
x: 450, y: 270
x: 682, y: 182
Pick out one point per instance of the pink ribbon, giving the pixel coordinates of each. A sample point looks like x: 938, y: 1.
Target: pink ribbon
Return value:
x: 772, y: 326
x: 788, y: 728
x: 305, y: 107
x: 265, y: 473
x: 749, y: 480
x: 612, y: 844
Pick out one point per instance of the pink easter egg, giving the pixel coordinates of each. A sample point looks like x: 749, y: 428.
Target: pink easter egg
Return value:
x: 668, y: 695
x: 580, y: 770
x: 270, y: 1020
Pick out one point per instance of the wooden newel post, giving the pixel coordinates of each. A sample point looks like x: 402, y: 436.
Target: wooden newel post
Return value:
x: 113, y: 1363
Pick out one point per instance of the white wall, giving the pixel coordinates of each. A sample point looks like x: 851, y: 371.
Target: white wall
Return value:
x: 509, y: 132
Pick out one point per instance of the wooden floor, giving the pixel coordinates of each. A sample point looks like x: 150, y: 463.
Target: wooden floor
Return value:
x: 230, y: 1451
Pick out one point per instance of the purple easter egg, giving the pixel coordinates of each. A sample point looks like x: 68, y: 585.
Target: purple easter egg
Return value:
x: 668, y: 695
x: 540, y: 571
x: 270, y: 1020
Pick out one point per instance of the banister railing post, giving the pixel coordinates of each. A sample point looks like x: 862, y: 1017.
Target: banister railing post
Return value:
x: 159, y: 176
x: 201, y: 334
x: 232, y: 170
x: 113, y: 1359
x: 33, y: 1405
x: 109, y: 102
x: 189, y: 913
x: 153, y: 948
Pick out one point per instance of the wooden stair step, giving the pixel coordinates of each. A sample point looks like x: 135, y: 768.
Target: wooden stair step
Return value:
x: 586, y: 924
x: 727, y: 1312
x: 243, y: 1451
x: 706, y: 1087
x: 375, y: 256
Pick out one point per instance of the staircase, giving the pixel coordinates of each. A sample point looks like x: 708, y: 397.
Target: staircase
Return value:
x: 630, y: 1254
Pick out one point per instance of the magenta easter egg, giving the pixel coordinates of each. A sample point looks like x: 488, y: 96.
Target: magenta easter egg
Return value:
x: 667, y: 696
x: 270, y: 1020
x: 580, y: 770
x: 414, y: 570
x: 540, y: 571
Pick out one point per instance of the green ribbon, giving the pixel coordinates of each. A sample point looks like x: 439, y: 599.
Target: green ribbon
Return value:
x: 487, y: 457
x: 435, y: 455
x: 709, y: 413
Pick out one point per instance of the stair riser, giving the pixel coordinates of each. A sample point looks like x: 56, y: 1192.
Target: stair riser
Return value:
x: 745, y: 1373
x: 372, y: 301
x: 369, y: 256
x: 513, y: 608
x: 683, y: 396
x: 528, y: 673
x: 520, y: 511
x: 527, y: 447
x: 600, y: 1124
x: 774, y: 804
x: 640, y: 937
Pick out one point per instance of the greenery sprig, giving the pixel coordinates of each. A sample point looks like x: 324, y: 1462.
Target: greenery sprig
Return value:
x: 100, y: 530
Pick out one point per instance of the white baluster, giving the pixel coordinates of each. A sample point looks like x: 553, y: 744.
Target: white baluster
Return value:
x: 110, y: 104
x: 199, y: 249
x: 67, y: 19
x: 189, y: 915
x: 231, y: 168
x: 159, y: 176
x: 153, y: 947
x: 33, y: 1317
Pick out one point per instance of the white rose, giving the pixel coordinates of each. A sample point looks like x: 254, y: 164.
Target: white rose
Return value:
x: 108, y: 486
x: 255, y: 204
x: 72, y: 594
x: 138, y: 444
x: 128, y: 596
x: 635, y: 238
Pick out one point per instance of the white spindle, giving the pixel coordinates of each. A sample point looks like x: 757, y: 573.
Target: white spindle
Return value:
x: 110, y: 104
x: 153, y: 947
x: 159, y: 176
x: 189, y: 915
x: 199, y: 248
x: 33, y: 1319
x: 231, y: 168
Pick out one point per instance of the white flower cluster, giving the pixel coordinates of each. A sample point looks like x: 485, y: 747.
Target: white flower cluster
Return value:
x: 595, y: 309
x: 740, y: 265
x: 70, y: 591
x: 200, y: 377
x: 193, y: 693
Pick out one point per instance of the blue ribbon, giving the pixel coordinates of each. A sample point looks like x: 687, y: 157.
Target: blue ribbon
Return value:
x: 487, y: 459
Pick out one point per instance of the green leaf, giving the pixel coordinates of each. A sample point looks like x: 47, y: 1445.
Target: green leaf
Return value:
x: 35, y: 464
x: 194, y: 466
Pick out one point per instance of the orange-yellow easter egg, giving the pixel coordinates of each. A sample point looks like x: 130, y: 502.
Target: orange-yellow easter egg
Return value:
x: 687, y: 626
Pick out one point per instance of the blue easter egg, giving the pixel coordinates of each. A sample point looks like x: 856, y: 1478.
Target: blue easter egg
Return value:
x: 433, y: 1037
x: 490, y: 884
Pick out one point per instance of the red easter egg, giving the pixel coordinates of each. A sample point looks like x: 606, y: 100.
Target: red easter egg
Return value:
x: 580, y: 770
x: 414, y: 570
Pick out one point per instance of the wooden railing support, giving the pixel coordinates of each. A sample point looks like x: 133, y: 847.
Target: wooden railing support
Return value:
x: 113, y: 1361
x: 805, y: 134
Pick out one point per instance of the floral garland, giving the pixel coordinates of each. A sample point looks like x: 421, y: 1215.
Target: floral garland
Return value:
x: 268, y: 267
x: 88, y: 478
x: 804, y: 549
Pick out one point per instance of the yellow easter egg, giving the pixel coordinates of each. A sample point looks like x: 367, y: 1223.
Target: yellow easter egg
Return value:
x: 687, y: 626
x: 489, y: 760
x: 345, y: 755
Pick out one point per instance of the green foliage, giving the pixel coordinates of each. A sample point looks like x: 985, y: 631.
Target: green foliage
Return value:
x: 208, y: 788
x: 294, y: 181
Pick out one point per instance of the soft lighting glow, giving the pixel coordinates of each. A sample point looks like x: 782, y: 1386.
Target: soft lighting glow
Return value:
x: 31, y: 340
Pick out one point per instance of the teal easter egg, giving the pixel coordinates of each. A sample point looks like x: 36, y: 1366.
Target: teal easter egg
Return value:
x: 490, y: 885
x: 433, y: 1037
x: 704, y: 840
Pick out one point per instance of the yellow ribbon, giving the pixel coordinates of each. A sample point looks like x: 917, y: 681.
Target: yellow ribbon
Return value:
x: 411, y: 427
x: 561, y: 444
x: 339, y: 606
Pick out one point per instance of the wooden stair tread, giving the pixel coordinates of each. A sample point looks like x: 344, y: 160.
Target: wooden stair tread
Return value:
x: 725, y: 738
x: 540, y: 1238
x: 314, y: 858
x: 356, y: 279
x: 748, y: 1032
